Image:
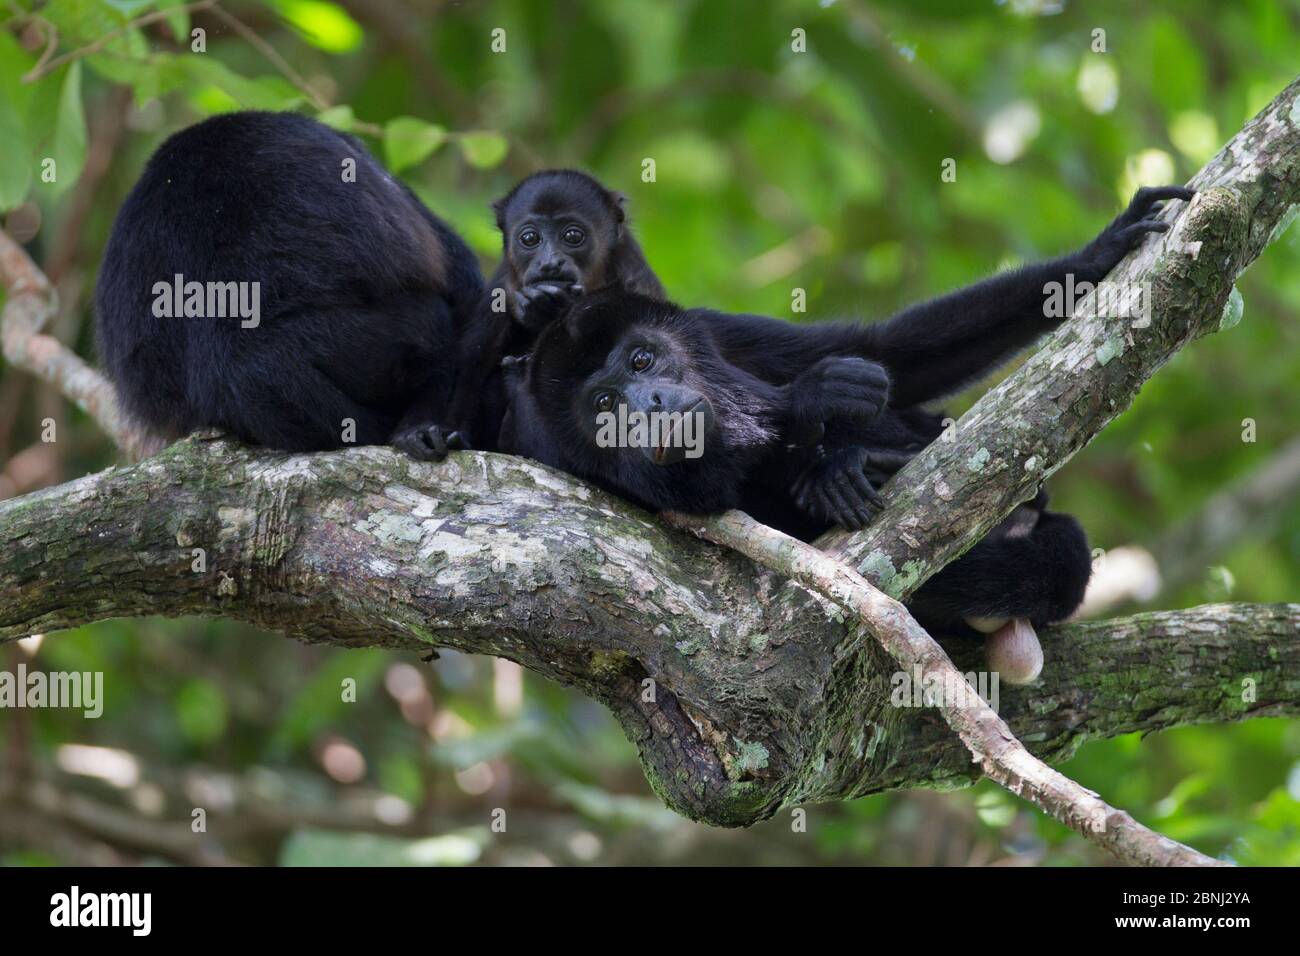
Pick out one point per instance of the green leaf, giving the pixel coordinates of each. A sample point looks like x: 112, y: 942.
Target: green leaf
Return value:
x: 408, y: 141
x: 324, y: 25
x: 130, y: 8
x: 338, y: 117
x: 14, y: 62
x: 483, y: 150
x: 25, y: 116
x: 262, y: 93
x: 464, y: 752
x: 178, y: 19
x: 148, y: 79
x: 81, y: 21
x: 212, y: 100
x: 69, y: 132
x: 201, y: 711
x: 16, y: 168
x: 319, y: 702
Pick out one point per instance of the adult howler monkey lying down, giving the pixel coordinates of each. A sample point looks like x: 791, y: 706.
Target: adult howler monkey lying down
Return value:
x: 266, y: 276
x: 562, y: 233
x: 827, y: 410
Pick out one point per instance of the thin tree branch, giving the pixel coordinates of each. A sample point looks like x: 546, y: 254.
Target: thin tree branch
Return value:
x: 29, y: 306
x: 993, y: 746
x: 271, y: 56
x: 46, y: 66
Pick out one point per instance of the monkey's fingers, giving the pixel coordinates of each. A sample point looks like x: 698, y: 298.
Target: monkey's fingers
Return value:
x: 805, y: 494
x: 877, y: 478
x: 548, y: 300
x: 423, y: 443
x: 1146, y: 200
x: 1041, y: 499
x: 852, y: 404
x: 827, y: 509
x: 842, y: 509
x: 858, y: 512
x: 1133, y: 234
x: 799, y: 488
x: 863, y: 486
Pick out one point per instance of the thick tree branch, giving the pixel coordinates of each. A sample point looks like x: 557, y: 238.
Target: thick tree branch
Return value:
x: 761, y: 695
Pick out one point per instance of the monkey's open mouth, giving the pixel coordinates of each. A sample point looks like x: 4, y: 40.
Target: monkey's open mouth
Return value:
x: 568, y: 283
x: 660, y: 454
x: 686, y: 432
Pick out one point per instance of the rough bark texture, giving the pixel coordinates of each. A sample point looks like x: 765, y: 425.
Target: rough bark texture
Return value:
x: 762, y: 694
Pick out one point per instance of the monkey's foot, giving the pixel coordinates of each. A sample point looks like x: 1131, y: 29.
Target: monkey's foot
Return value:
x: 835, y: 488
x: 428, y: 442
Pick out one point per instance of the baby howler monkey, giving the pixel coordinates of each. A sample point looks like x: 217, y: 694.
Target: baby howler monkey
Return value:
x: 563, y: 234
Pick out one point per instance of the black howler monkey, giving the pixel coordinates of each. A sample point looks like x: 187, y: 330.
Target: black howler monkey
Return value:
x: 266, y: 276
x: 762, y: 391
x: 563, y: 234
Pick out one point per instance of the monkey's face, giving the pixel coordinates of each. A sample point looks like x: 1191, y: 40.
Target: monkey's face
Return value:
x: 563, y: 250
x: 627, y: 391
x: 559, y: 232
x: 642, y: 401
x: 624, y: 385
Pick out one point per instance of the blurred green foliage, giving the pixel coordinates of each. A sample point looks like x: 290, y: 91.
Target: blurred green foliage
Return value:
x: 774, y: 170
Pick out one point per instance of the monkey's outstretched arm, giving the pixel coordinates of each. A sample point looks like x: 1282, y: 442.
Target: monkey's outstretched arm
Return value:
x: 934, y: 348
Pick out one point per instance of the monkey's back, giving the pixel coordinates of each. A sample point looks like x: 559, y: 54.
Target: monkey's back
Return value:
x: 358, y: 285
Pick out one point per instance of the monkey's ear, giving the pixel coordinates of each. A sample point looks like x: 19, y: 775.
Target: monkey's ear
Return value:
x: 620, y: 200
x: 499, y: 210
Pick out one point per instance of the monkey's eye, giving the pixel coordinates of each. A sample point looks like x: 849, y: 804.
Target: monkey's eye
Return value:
x: 529, y: 238
x: 604, y: 401
x: 642, y: 359
x: 574, y: 236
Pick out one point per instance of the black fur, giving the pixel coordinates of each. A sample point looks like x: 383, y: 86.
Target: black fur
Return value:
x: 537, y: 282
x: 364, y: 292
x: 772, y: 389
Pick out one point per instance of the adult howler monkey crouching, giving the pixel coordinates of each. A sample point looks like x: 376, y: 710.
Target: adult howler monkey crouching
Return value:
x: 563, y: 234
x: 266, y: 276
x: 816, y: 407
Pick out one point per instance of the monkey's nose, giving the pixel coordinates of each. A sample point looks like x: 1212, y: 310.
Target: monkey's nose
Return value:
x: 555, y: 270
